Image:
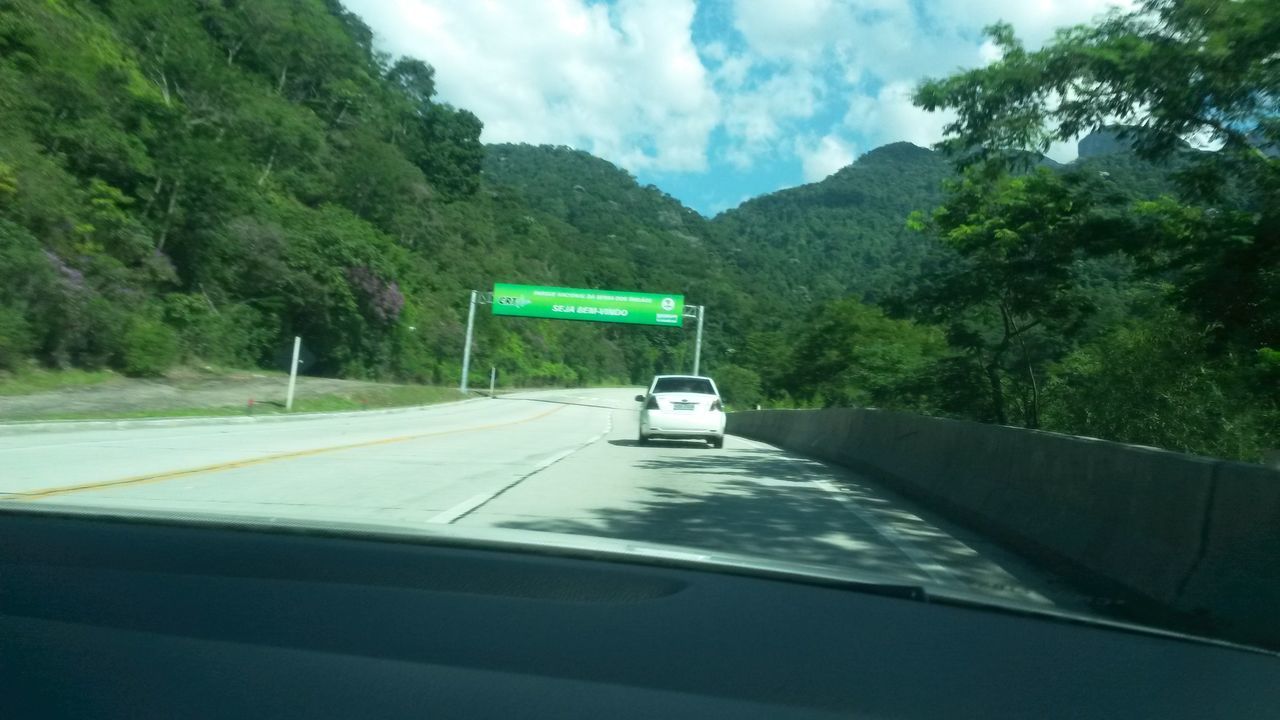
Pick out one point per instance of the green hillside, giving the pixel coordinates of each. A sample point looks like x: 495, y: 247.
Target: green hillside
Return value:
x: 845, y: 235
x: 202, y: 181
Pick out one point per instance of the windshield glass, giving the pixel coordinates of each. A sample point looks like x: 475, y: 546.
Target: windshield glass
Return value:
x: 683, y: 385
x: 418, y: 263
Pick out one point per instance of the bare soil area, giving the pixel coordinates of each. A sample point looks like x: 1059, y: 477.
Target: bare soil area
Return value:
x: 181, y: 390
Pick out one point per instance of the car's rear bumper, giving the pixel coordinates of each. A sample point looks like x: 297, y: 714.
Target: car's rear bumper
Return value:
x: 672, y: 424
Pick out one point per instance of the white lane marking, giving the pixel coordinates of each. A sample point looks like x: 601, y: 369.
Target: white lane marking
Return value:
x: 460, y: 509
x: 474, y: 503
x: 936, y: 572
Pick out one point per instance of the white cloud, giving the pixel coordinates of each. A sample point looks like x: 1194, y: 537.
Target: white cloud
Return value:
x: 624, y: 79
x: 624, y: 82
x: 889, y: 40
x: 823, y: 157
x: 792, y: 30
x: 1034, y: 20
x: 757, y: 118
x: 733, y: 71
x: 989, y: 52
x: 889, y: 115
x: 883, y: 48
x: 1063, y: 151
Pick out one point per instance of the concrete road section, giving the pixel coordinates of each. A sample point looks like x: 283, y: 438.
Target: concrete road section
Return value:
x: 555, y: 461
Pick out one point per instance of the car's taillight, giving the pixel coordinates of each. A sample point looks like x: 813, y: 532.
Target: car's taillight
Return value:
x: 716, y: 406
x: 652, y: 404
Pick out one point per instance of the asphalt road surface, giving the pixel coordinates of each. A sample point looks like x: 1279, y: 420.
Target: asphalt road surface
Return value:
x: 558, y: 461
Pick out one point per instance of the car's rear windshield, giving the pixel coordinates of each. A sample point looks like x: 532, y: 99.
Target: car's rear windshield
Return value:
x: 684, y: 385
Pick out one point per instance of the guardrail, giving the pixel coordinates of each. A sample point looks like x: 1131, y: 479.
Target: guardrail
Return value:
x: 1195, y: 536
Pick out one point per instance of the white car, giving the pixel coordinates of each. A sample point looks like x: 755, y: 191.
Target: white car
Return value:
x: 682, y: 407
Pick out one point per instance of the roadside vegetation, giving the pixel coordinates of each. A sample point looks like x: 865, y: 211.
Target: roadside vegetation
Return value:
x: 192, y: 392
x: 1133, y: 297
x: 29, y: 381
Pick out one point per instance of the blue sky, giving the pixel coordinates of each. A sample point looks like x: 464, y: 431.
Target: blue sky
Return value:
x: 714, y: 101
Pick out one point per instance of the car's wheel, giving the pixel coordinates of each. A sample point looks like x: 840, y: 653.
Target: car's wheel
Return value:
x: 717, y: 442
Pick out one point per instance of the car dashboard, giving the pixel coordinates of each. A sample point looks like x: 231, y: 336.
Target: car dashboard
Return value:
x: 110, y: 617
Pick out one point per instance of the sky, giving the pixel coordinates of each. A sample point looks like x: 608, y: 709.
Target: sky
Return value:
x: 713, y: 101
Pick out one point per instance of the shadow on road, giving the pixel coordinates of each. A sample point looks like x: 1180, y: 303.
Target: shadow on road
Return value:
x: 566, y: 402
x: 687, y: 444
x: 764, y: 503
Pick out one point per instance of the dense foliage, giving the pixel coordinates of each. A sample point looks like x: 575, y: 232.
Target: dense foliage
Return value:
x: 1191, y: 364
x: 239, y: 172
x: 843, y: 236
x: 1131, y: 295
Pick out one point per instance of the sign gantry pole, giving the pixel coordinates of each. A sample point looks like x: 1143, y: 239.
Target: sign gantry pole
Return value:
x: 697, y: 343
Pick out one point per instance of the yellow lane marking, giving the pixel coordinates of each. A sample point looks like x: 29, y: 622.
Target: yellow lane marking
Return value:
x: 234, y: 464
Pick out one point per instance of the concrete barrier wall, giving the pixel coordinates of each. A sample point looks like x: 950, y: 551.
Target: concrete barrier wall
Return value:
x: 1196, y: 536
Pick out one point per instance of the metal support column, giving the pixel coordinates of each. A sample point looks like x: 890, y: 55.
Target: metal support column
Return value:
x: 697, y: 343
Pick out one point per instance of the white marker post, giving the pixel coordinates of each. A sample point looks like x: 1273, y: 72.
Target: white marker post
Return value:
x: 493, y: 378
x: 293, y: 372
x: 466, y: 350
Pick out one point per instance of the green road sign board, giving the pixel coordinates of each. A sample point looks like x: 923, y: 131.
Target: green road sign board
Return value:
x: 560, y: 303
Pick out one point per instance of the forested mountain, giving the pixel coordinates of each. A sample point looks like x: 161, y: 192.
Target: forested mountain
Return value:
x: 613, y: 232
x: 845, y: 235
x: 848, y: 234
x: 600, y: 229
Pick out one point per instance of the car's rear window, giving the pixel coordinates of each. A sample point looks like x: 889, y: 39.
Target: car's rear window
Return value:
x: 684, y: 385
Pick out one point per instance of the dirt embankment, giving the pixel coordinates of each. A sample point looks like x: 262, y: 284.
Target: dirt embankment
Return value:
x: 182, y: 390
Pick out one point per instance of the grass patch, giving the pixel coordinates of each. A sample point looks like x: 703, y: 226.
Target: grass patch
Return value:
x: 380, y: 397
x: 371, y: 399
x: 29, y: 382
x: 202, y: 372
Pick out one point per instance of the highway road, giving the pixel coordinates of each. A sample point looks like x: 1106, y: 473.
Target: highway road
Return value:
x: 559, y: 461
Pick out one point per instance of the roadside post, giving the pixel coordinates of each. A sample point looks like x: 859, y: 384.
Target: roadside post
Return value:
x: 466, y: 350
x: 293, y: 372
x: 493, y: 379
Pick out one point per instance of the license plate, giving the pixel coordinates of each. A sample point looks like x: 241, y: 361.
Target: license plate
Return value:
x: 684, y: 406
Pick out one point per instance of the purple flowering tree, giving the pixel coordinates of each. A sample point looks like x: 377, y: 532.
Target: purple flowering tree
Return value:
x: 381, y: 299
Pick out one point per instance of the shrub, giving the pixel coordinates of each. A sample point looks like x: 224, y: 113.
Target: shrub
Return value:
x: 16, y: 342
x: 234, y: 335
x: 739, y: 386
x: 150, y: 347
x: 1155, y: 381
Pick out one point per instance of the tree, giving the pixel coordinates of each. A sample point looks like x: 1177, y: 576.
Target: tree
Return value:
x: 1154, y: 380
x: 1170, y: 70
x: 852, y: 355
x: 1017, y: 293
x: 740, y: 386
x: 149, y: 348
x: 416, y: 80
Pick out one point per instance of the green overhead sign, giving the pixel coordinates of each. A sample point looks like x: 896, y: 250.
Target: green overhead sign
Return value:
x: 560, y: 303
